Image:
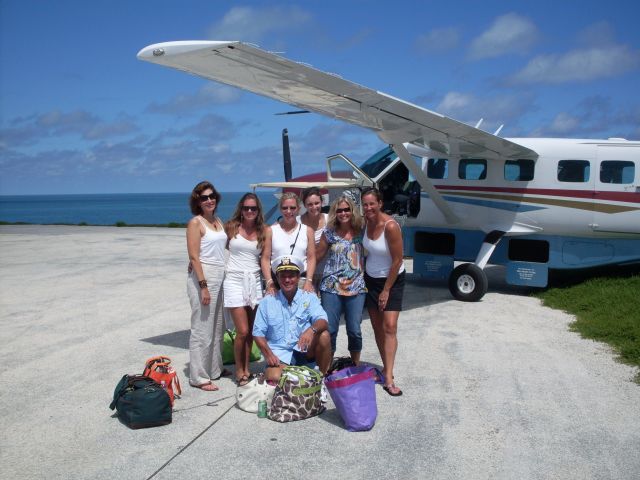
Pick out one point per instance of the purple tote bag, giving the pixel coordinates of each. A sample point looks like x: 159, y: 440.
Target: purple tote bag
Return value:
x: 353, y: 391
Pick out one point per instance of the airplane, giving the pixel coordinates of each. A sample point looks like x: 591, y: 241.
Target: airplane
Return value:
x: 459, y: 193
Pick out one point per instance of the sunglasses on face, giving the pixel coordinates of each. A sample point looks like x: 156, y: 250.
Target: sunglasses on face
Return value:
x: 288, y: 208
x: 343, y: 210
x: 249, y: 208
x: 211, y: 196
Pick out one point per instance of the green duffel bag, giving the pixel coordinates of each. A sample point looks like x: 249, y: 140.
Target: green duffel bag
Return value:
x: 227, y: 349
x: 141, y: 402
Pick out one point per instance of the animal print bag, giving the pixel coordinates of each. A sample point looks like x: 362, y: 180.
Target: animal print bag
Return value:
x: 297, y: 395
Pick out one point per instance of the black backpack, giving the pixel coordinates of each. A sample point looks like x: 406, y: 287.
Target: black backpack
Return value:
x: 141, y: 402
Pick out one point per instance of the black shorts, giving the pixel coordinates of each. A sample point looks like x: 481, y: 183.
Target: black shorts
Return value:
x: 375, y: 286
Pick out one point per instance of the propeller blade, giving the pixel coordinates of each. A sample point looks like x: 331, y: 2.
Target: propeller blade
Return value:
x: 286, y: 155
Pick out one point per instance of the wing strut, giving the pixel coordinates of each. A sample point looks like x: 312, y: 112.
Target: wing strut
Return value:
x: 425, y: 183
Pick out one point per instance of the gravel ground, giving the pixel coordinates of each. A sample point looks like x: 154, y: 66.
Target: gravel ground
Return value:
x: 494, y: 389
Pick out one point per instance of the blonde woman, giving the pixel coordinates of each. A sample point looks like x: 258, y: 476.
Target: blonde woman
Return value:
x: 342, y: 288
x: 289, y: 237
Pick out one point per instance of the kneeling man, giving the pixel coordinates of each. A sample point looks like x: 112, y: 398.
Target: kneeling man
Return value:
x: 291, y: 327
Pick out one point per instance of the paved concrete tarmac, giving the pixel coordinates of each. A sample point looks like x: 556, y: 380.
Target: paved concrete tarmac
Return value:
x: 498, y: 389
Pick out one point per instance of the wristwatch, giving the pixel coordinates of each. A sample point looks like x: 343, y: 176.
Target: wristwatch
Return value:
x: 314, y: 329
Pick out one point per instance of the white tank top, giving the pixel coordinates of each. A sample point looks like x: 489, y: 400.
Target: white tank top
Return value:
x: 243, y: 255
x: 378, y: 261
x: 317, y: 234
x: 281, y: 242
x: 212, y: 244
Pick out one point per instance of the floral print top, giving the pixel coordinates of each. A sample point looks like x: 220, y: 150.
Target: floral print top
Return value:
x: 344, y: 268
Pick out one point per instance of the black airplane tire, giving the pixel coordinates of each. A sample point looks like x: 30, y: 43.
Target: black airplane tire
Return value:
x: 468, y: 283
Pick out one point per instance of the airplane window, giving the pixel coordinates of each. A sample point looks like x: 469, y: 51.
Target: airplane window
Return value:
x: 573, y: 171
x: 617, y: 171
x: 519, y: 170
x: 378, y: 162
x: 472, y: 169
x: 438, y: 168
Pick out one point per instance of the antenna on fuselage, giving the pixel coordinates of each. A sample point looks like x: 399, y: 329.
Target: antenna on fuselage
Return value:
x: 479, y: 123
x: 498, y: 130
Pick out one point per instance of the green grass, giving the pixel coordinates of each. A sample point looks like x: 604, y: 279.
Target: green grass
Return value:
x: 607, y: 309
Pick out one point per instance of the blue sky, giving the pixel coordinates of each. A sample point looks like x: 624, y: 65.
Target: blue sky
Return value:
x: 80, y: 114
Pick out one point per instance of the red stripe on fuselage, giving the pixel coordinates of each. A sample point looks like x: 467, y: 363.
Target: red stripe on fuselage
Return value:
x: 629, y: 197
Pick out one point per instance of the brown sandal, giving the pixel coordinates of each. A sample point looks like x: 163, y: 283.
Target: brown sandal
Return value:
x: 242, y: 381
x: 392, y: 390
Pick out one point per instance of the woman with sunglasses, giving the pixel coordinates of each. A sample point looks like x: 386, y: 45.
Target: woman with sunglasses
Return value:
x: 384, y: 277
x: 206, y: 240
x: 317, y: 221
x: 289, y: 237
x: 342, y: 288
x: 246, y: 234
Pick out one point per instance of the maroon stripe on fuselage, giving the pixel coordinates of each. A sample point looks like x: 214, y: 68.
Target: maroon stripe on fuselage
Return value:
x: 629, y: 197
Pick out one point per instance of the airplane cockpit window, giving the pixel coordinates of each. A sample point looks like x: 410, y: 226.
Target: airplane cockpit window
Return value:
x: 617, y: 171
x: 519, y: 170
x: 472, y: 169
x: 576, y: 171
x: 378, y: 162
x: 438, y: 168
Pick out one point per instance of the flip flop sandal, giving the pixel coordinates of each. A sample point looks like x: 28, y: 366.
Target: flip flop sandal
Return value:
x: 207, y: 387
x: 392, y: 390
x: 242, y: 381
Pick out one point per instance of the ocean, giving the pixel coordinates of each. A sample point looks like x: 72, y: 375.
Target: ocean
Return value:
x: 109, y: 209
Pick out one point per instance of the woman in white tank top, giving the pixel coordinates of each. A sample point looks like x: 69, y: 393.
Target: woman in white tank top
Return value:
x: 288, y: 237
x: 206, y: 241
x: 317, y: 221
x: 246, y: 233
x: 384, y: 278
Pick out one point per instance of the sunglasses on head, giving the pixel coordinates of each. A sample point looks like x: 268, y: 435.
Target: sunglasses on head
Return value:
x: 249, y: 208
x: 343, y: 210
x: 288, y: 208
x: 211, y: 196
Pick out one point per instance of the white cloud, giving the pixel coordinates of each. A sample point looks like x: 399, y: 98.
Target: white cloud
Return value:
x: 494, y: 110
x: 438, y: 40
x: 250, y: 24
x: 209, y: 94
x: 579, y: 65
x: 510, y: 33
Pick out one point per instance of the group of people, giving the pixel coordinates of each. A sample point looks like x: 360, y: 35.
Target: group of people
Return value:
x: 287, y: 285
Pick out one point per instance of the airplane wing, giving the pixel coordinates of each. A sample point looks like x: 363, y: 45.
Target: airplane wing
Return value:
x: 395, y: 121
x: 303, y: 185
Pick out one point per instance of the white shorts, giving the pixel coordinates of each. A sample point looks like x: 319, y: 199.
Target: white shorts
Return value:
x: 242, y: 289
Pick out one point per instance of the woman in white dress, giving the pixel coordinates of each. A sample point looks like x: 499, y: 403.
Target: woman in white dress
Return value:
x: 317, y: 221
x: 206, y: 241
x: 289, y: 237
x: 246, y: 234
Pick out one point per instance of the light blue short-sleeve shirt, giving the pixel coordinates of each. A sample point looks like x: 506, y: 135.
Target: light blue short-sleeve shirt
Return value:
x: 282, y: 324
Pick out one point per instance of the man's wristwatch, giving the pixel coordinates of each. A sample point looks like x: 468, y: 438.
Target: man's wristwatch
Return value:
x: 314, y: 329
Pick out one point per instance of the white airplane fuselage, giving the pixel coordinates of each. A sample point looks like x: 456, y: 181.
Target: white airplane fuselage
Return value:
x: 590, y: 207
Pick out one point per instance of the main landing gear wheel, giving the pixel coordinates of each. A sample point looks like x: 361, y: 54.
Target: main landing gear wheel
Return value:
x: 468, y: 282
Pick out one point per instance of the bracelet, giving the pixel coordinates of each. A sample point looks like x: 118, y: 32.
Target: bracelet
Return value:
x: 269, y: 282
x: 203, y: 284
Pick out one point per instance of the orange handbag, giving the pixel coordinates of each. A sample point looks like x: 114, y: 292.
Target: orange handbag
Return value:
x: 159, y: 369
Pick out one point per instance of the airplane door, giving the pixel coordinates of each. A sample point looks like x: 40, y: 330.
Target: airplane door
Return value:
x: 617, y: 192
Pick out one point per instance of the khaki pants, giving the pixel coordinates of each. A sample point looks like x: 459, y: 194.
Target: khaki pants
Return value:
x: 207, y: 327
